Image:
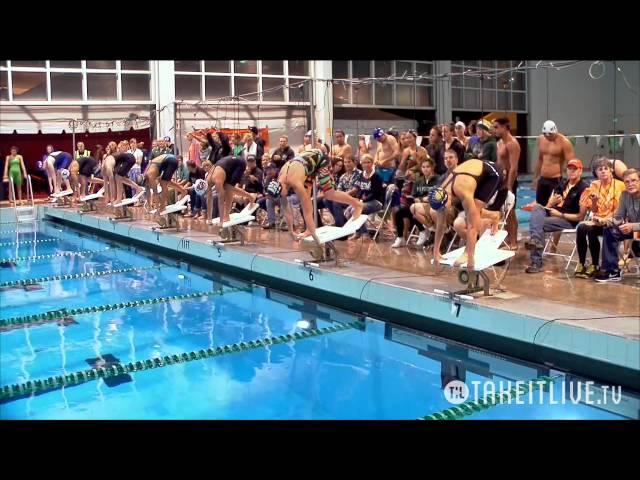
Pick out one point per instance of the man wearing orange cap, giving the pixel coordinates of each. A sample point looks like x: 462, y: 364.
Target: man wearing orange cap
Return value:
x: 563, y: 210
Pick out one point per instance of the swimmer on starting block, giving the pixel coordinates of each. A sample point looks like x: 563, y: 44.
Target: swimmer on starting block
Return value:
x: 474, y: 183
x: 299, y: 174
x: 124, y: 161
x: 161, y: 170
x: 55, y: 163
x: 226, y: 174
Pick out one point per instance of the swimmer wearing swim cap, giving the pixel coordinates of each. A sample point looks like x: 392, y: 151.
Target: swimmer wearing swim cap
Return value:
x: 299, y: 174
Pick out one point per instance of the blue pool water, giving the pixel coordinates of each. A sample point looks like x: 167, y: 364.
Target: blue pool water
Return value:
x: 380, y: 371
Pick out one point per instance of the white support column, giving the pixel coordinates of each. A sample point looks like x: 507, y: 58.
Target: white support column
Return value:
x: 323, y: 95
x: 443, y: 93
x: 165, y: 96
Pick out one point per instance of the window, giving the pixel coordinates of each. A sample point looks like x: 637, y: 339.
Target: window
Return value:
x: 188, y: 87
x: 102, y: 86
x: 102, y: 64
x: 29, y: 85
x: 404, y: 95
x: 187, y: 66
x: 134, y: 65
x: 362, y: 95
x: 66, y: 86
x: 253, y: 80
x: 340, y: 69
x: 341, y: 93
x: 498, y: 89
x: 360, y: 69
x: 245, y: 85
x: 383, y: 68
x: 216, y: 87
x: 28, y: 63
x: 65, y: 64
x: 4, y: 86
x: 217, y: 66
x: 299, y: 68
x: 272, y: 67
x: 136, y: 86
x: 79, y: 81
x: 246, y: 66
x: 384, y: 94
x: 277, y: 84
x: 412, y: 91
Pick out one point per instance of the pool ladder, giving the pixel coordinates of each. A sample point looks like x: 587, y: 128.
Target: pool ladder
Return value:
x: 28, y: 213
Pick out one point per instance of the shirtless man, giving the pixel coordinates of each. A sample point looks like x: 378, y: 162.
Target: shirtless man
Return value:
x: 508, y: 159
x: 387, y: 153
x: 474, y: 183
x: 341, y: 149
x: 555, y: 150
x: 299, y: 175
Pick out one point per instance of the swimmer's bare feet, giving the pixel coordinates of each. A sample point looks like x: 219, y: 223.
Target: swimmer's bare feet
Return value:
x: 461, y: 260
x: 304, y: 234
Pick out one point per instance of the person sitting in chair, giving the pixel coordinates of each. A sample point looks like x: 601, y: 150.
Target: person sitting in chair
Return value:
x: 625, y: 224
x: 562, y: 211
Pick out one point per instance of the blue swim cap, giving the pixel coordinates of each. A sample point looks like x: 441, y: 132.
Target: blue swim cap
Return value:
x: 378, y: 132
x: 438, y: 198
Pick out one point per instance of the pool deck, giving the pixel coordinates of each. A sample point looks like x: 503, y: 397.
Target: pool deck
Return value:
x: 398, y: 284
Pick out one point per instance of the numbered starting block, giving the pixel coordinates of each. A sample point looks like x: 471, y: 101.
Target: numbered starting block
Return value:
x: 169, y: 216
x: 125, y: 204
x: 88, y: 202
x: 327, y: 250
x: 233, y: 230
x: 61, y: 199
x: 487, y: 255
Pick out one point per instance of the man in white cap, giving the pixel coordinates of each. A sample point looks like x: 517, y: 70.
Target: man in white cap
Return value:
x: 554, y: 151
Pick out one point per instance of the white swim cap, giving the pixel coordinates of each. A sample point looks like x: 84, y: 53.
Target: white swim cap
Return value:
x: 64, y: 173
x: 460, y: 124
x: 549, y: 127
x: 200, y: 186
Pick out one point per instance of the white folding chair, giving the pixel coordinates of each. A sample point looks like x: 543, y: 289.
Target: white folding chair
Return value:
x: 574, y: 246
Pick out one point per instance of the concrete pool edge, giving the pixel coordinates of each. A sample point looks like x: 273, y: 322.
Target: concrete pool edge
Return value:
x: 590, y: 353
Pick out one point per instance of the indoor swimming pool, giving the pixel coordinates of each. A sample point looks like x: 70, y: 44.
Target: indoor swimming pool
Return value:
x: 187, y: 342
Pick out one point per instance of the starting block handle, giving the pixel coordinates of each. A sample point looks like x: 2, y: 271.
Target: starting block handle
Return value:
x: 306, y: 264
x: 453, y: 295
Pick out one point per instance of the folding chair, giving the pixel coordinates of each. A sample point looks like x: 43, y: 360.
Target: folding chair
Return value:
x: 388, y: 199
x: 572, y: 242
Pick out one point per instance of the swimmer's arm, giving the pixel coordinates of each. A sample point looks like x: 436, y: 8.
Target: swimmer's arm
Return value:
x: 177, y: 186
x: 403, y: 160
x: 514, y: 157
x: 6, y: 165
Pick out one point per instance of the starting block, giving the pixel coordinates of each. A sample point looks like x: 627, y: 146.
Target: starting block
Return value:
x: 169, y: 216
x: 487, y: 255
x: 126, y: 215
x: 233, y: 230
x: 89, y: 201
x: 328, y: 234
x: 61, y: 199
